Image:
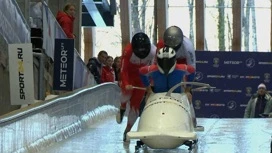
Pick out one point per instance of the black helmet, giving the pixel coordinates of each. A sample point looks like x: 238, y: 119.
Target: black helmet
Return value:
x: 141, y: 45
x: 166, y: 60
x: 173, y: 37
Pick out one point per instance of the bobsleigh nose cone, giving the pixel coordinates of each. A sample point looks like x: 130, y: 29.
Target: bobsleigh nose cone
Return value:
x: 163, y: 115
x: 165, y: 123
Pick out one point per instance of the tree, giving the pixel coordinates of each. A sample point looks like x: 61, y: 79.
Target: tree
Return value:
x: 246, y: 26
x: 191, y: 13
x: 254, y: 31
x: 221, y: 25
x: 138, y: 15
x: 141, y: 21
x: 143, y: 14
x: 135, y: 16
x: 229, y: 34
x: 155, y: 27
x: 250, y: 12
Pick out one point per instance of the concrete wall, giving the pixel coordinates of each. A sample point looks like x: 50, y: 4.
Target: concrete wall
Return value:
x: 5, y: 106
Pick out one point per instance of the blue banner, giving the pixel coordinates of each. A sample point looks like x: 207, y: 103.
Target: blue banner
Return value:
x: 235, y: 75
x: 63, y: 64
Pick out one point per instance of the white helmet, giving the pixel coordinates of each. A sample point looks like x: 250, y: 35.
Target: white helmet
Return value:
x: 166, y: 60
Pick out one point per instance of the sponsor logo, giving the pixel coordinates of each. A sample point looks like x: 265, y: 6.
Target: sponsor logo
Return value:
x: 200, y: 90
x: 267, y: 77
x: 248, y: 91
x: 265, y: 63
x: 233, y: 62
x: 215, y: 105
x: 233, y: 91
x: 250, y: 62
x: 63, y: 66
x: 231, y: 105
x: 198, y: 76
x: 212, y: 90
x: 21, y: 75
x: 230, y: 76
x: 214, y: 116
x: 216, y: 62
x: 216, y: 76
x: 243, y: 105
x: 249, y: 77
x: 202, y: 62
x: 197, y: 104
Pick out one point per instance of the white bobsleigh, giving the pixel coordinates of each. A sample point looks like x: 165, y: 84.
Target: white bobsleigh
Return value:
x: 166, y: 121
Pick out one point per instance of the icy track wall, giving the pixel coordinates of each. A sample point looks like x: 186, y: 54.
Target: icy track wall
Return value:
x: 34, y: 128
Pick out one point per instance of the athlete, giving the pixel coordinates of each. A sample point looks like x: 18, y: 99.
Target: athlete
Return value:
x: 140, y: 52
x: 166, y: 73
x: 185, y: 52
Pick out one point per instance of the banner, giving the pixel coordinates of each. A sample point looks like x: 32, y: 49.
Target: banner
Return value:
x: 13, y: 27
x: 235, y: 75
x: 21, y: 74
x: 82, y: 75
x: 63, y: 64
x: 48, y: 31
x: 51, y: 31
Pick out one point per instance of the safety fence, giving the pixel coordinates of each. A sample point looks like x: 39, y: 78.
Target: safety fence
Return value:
x: 40, y: 125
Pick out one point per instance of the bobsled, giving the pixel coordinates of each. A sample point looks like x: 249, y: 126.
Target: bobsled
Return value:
x: 167, y: 121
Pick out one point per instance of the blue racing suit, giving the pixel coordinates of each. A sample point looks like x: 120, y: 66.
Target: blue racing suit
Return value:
x: 162, y: 82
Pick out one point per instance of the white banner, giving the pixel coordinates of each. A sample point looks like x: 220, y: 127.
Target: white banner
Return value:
x: 13, y: 26
x: 49, y: 22
x: 51, y: 31
x: 21, y: 74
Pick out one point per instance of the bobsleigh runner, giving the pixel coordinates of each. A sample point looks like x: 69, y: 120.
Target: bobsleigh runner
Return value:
x: 167, y: 121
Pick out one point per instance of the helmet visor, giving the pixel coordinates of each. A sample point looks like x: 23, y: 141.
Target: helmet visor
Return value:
x: 142, y: 52
x: 166, y: 64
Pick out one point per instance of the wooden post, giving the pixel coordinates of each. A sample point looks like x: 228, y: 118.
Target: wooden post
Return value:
x: 125, y: 17
x: 200, y: 24
x: 89, y: 39
x: 237, y: 25
x: 162, y: 16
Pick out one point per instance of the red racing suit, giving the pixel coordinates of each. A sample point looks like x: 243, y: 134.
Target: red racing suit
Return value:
x: 130, y: 65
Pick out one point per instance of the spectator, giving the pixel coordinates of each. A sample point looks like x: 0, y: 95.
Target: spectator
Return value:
x: 66, y: 20
x: 95, y: 65
x: 108, y: 74
x: 117, y: 67
x: 259, y: 104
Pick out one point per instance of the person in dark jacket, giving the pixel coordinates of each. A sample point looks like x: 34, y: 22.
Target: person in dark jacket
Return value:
x: 95, y: 65
x: 66, y: 19
x: 259, y: 104
x: 117, y: 67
